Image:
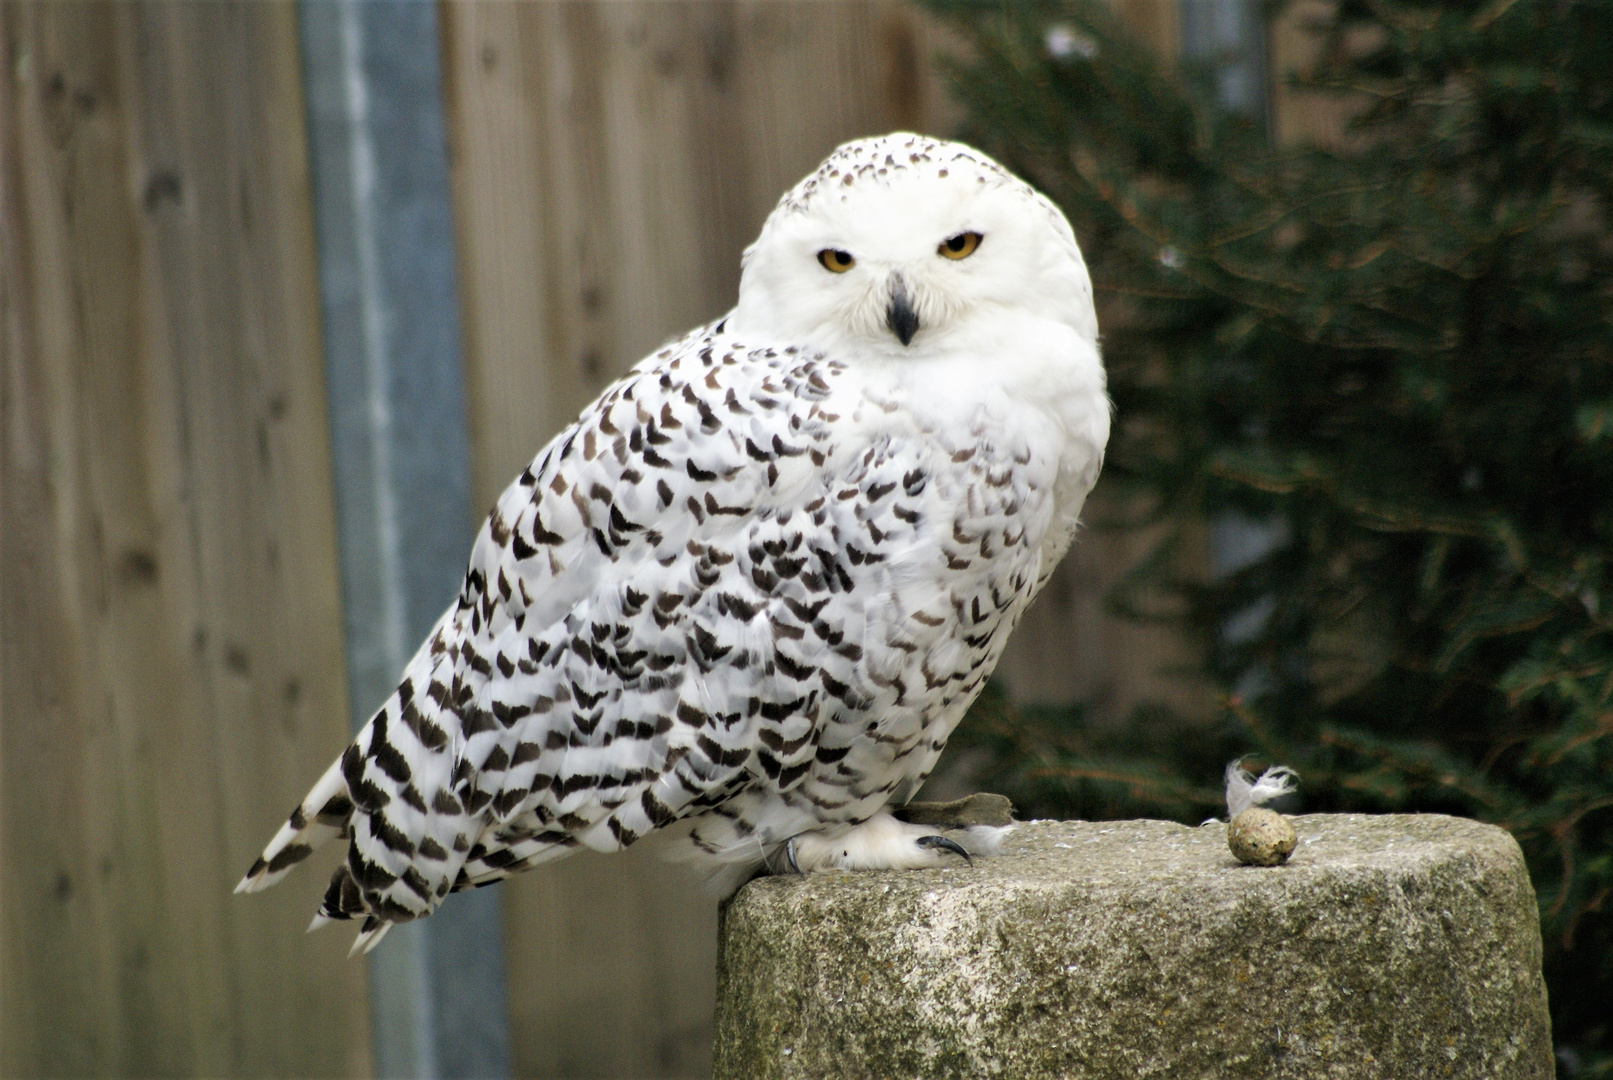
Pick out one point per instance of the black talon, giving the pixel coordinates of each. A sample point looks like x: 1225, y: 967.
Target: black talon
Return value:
x: 945, y: 844
x: 789, y: 855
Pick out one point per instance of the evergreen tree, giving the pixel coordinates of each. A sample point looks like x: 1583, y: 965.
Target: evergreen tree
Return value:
x: 1390, y: 363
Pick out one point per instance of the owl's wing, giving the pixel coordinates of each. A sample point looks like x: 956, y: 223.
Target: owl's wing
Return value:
x: 655, y: 615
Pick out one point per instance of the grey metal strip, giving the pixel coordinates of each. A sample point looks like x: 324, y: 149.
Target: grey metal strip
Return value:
x: 383, y: 216
x: 1230, y: 35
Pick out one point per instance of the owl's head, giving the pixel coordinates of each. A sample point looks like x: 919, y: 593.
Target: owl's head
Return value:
x: 903, y: 246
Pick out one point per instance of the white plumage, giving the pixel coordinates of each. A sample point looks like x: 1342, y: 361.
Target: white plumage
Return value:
x: 757, y: 583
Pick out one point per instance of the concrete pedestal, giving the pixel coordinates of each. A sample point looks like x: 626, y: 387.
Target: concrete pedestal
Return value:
x: 1392, y: 946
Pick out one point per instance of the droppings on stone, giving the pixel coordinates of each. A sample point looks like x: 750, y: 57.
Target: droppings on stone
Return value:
x: 1261, y: 837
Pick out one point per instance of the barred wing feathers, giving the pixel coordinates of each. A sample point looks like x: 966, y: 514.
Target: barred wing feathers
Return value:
x: 738, y: 588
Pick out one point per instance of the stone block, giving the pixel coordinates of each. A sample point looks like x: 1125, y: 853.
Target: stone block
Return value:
x: 1388, y: 946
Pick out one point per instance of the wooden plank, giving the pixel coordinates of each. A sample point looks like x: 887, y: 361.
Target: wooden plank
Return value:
x: 172, y: 638
x: 1158, y: 22
x: 1298, y: 113
x: 611, y: 161
x: 1069, y: 648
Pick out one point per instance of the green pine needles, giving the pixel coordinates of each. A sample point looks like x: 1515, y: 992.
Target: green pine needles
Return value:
x: 1380, y: 375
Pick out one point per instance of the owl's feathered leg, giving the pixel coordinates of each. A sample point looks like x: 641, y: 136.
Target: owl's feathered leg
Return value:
x: 885, y: 843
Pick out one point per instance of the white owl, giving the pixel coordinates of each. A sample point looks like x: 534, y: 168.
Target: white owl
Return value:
x: 753, y: 588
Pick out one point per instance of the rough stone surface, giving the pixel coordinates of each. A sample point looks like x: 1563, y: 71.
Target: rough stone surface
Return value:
x: 1393, y: 946
x: 1259, y: 837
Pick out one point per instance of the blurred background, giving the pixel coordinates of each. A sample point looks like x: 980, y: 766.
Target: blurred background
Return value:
x: 290, y: 292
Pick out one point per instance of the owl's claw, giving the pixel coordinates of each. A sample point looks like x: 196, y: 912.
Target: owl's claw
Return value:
x: 945, y: 844
x: 789, y: 856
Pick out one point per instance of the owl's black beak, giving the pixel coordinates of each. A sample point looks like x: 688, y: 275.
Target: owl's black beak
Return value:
x: 899, y: 313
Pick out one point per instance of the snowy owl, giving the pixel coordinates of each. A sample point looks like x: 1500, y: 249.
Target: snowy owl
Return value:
x: 751, y: 590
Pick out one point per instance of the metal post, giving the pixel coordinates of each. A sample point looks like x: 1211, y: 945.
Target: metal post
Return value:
x: 383, y: 214
x: 1230, y: 37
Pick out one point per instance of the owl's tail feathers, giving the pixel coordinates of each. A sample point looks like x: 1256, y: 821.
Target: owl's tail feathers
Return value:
x: 344, y: 900
x: 324, y: 814
x: 369, y: 937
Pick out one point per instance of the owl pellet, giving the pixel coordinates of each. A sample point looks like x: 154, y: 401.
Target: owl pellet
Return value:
x: 1261, y: 837
x: 1257, y: 836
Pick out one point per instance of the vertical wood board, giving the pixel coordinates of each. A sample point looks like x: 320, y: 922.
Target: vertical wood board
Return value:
x: 172, y: 642
x: 1299, y: 113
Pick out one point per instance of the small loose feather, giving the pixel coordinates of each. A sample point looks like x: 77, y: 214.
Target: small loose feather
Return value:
x: 1243, y: 791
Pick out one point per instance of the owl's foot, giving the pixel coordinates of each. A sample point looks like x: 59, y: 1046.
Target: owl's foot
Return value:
x: 940, y: 843
x: 884, y: 842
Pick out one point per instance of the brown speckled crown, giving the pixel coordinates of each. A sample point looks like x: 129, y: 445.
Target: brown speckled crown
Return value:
x: 874, y: 160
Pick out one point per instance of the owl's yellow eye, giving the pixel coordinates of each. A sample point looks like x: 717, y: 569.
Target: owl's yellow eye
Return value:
x: 836, y: 261
x: 961, y: 246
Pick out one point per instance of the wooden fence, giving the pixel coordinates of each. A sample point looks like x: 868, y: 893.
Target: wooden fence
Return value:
x: 171, y: 650
x: 171, y: 671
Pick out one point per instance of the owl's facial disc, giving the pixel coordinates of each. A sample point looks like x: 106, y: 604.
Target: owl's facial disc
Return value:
x: 906, y: 264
